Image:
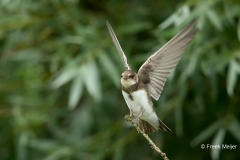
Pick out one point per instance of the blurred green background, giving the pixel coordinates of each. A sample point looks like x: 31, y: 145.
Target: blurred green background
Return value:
x: 60, y: 96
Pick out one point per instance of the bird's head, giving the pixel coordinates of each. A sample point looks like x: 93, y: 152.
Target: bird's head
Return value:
x: 128, y: 78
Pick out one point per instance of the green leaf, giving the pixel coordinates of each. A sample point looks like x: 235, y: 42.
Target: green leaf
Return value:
x: 238, y: 29
x: 91, y: 80
x: 201, y: 21
x: 21, y: 146
x: 72, y: 39
x: 132, y: 28
x: 75, y: 92
x: 232, y: 76
x: 82, y: 121
x: 63, y: 151
x: 234, y: 128
x: 229, y: 12
x: 169, y: 21
x: 193, y: 62
x: 214, y: 19
x: 15, y: 22
x: 217, y: 140
x: 179, y: 120
x: 206, y: 133
x: 65, y: 76
x: 109, y: 67
x: 179, y: 112
x: 176, y: 18
x: 29, y: 54
x: 43, y: 145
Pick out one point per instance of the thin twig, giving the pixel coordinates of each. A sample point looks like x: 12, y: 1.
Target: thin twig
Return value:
x: 164, y: 156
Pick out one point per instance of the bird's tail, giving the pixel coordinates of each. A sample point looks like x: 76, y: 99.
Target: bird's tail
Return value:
x: 163, y: 127
x: 148, y: 128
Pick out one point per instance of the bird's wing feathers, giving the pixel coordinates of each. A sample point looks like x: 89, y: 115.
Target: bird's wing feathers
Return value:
x: 156, y: 69
x: 117, y: 45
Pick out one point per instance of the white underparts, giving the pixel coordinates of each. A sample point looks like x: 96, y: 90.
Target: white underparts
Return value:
x: 139, y: 100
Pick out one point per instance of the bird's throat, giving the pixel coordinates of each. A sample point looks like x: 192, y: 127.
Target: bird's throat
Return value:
x: 129, y: 88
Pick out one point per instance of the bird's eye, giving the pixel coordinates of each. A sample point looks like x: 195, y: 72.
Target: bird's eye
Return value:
x: 131, y: 76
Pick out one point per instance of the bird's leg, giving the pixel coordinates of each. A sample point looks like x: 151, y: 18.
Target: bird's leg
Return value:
x: 137, y: 119
x: 129, y: 116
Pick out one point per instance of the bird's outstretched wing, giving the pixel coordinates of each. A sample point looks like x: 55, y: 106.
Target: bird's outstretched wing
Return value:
x: 117, y: 45
x: 156, y: 69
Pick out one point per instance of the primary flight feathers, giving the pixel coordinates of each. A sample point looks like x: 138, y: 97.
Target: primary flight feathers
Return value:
x: 156, y: 69
x: 120, y: 51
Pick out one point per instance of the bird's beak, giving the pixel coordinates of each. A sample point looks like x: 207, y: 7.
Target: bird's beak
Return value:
x: 125, y: 78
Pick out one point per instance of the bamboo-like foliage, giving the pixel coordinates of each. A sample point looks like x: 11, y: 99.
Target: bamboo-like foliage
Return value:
x: 60, y: 94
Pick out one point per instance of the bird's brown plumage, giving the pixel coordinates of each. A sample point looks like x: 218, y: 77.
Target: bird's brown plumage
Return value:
x: 158, y: 66
x: 153, y: 74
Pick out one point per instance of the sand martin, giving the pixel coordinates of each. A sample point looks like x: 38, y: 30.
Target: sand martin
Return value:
x: 138, y: 88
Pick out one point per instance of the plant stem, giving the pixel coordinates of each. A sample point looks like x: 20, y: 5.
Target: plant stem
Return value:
x: 153, y: 145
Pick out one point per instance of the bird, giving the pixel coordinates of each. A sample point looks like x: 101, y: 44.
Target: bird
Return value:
x: 138, y: 88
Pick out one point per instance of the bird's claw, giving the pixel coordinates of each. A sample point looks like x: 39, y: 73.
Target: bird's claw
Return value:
x: 135, y: 120
x: 127, y: 117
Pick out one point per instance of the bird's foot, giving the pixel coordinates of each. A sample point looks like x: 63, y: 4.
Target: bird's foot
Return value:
x: 135, y: 120
x: 128, y: 117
